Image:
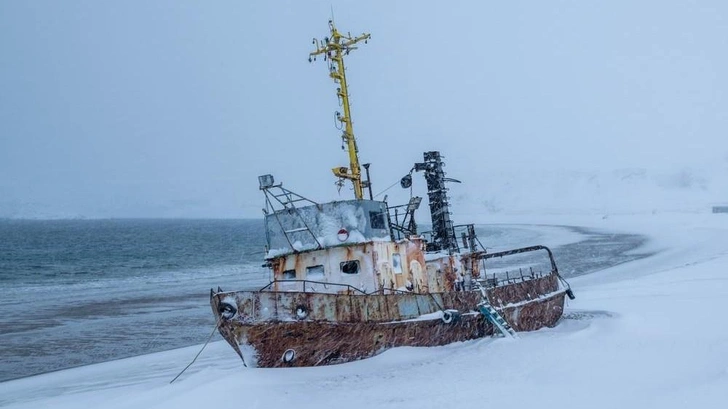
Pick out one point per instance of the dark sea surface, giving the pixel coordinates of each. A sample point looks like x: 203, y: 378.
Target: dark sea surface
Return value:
x: 77, y: 292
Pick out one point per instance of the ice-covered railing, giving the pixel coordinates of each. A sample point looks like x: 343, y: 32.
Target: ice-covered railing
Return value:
x: 498, y: 278
x: 325, y: 225
x: 521, y: 265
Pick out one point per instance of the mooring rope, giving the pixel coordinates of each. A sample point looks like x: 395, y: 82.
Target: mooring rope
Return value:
x: 198, y: 354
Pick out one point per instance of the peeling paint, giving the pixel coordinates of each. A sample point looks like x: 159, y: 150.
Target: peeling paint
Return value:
x: 345, y: 327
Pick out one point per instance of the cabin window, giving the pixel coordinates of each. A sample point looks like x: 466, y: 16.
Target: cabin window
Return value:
x: 376, y: 219
x: 289, y: 275
x: 397, y: 263
x: 315, y: 272
x: 350, y: 267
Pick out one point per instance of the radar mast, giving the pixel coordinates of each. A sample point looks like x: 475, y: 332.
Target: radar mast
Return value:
x: 333, y: 48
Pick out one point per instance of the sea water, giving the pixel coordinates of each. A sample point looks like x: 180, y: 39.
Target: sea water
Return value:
x: 76, y: 292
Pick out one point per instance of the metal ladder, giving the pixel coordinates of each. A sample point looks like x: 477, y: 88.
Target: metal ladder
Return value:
x: 494, y: 316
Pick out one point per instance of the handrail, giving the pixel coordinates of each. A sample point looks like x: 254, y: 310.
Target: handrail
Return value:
x: 496, y: 282
x: 554, y: 269
x: 348, y: 286
x: 485, y: 256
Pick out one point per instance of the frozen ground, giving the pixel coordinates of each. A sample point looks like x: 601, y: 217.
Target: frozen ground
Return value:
x: 645, y: 334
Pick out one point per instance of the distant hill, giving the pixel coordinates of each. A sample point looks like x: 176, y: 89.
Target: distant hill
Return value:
x: 620, y: 191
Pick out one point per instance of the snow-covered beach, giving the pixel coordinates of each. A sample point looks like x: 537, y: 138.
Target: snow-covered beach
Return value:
x: 642, y: 334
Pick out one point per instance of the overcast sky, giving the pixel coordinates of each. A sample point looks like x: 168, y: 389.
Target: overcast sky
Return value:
x: 172, y: 109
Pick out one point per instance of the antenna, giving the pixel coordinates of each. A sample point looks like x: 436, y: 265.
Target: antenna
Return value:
x: 443, y: 232
x: 333, y: 48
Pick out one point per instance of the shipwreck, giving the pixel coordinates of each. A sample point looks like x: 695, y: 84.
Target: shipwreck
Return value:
x: 352, y: 278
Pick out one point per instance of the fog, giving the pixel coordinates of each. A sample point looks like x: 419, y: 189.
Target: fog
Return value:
x: 172, y: 109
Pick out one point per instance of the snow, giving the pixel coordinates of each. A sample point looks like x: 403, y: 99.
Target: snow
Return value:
x: 317, y: 226
x: 646, y: 334
x: 436, y: 255
x: 540, y: 297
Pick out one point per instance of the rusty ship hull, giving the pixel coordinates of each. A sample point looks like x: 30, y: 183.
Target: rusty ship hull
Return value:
x: 289, y: 329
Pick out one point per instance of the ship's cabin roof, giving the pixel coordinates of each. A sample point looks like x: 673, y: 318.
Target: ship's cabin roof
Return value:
x: 332, y: 224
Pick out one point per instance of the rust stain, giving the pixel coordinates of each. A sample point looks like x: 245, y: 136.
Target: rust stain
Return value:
x: 333, y: 343
x: 335, y: 327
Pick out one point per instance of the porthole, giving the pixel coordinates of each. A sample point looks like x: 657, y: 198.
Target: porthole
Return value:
x: 315, y: 273
x: 350, y: 267
x: 301, y: 312
x: 377, y: 220
x: 288, y: 356
x: 397, y: 263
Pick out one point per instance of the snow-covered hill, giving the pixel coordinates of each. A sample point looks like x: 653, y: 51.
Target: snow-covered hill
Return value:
x: 620, y: 191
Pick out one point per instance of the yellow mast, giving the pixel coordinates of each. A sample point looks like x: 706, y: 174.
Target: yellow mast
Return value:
x: 333, y: 49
